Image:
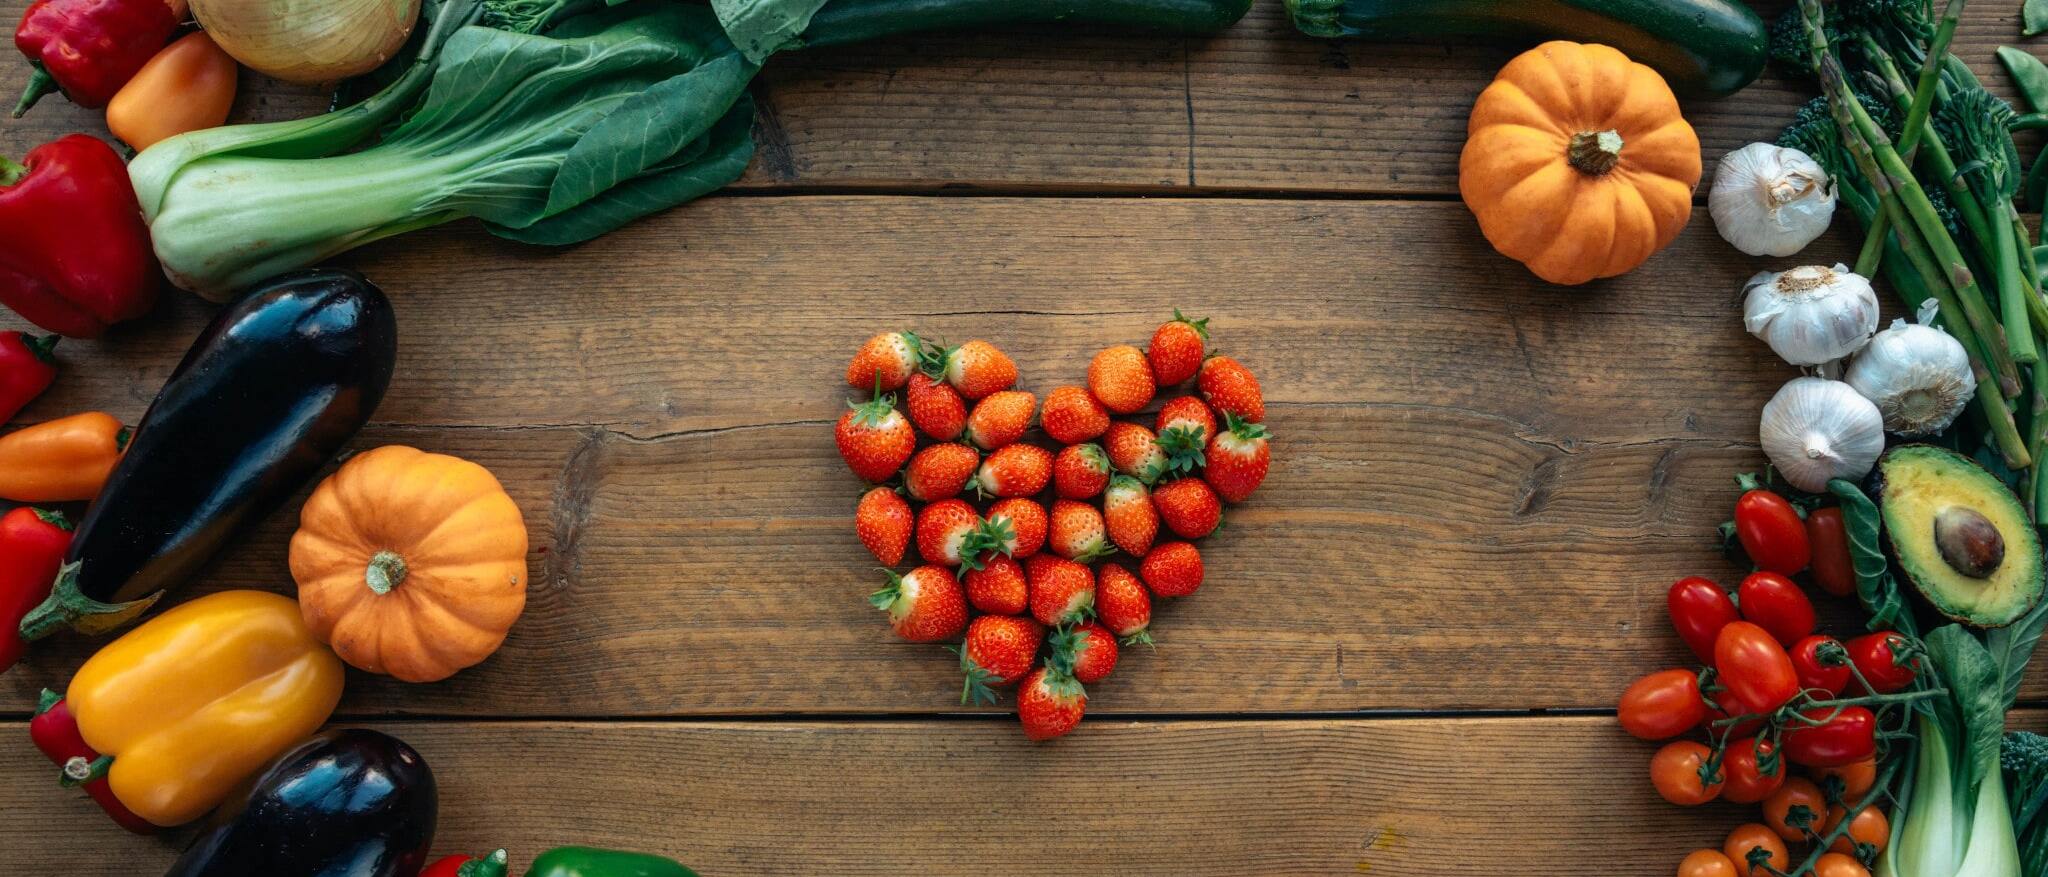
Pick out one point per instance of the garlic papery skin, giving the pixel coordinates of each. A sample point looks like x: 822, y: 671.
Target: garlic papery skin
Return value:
x: 1919, y: 376
x: 1810, y: 315
x: 1769, y: 200
x: 1816, y: 430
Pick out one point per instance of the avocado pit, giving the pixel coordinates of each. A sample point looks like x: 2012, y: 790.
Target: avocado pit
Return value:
x: 1968, y: 541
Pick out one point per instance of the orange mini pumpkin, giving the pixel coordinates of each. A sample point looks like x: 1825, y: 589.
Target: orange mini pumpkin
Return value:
x: 1577, y: 162
x: 410, y: 563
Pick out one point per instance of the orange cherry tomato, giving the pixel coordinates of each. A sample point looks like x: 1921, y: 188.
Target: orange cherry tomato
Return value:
x: 1796, y: 809
x: 1675, y: 771
x: 1868, y: 827
x: 1857, y: 778
x: 1754, y: 837
x: 1746, y: 783
x: 1662, y: 705
x: 1838, y: 865
x: 1706, y: 863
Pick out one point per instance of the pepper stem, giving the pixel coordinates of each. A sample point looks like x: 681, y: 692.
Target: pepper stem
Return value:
x: 78, y: 770
x: 385, y: 572
x: 40, y: 83
x: 492, y: 865
x: 39, y: 345
x: 1594, y: 153
x: 11, y: 171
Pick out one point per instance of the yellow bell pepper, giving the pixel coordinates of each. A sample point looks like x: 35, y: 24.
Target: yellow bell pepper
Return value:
x: 200, y: 698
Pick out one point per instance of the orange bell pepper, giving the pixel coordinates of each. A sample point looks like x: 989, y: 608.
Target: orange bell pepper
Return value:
x: 198, y: 699
x: 61, y: 460
x: 188, y: 86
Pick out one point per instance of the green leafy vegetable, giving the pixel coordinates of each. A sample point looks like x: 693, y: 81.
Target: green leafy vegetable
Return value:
x: 1875, y: 587
x: 763, y: 27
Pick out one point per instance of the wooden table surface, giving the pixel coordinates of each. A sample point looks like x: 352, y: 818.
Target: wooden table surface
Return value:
x: 1405, y: 658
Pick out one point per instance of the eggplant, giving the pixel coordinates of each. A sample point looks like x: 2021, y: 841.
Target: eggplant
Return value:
x: 268, y: 394
x: 349, y: 803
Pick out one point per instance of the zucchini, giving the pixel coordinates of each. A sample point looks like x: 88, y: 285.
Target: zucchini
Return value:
x: 841, y: 22
x: 1702, y: 47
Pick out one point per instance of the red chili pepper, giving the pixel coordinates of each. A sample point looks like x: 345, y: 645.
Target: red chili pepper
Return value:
x: 74, y: 253
x: 55, y: 732
x: 32, y: 542
x: 26, y: 370
x: 89, y: 48
x: 492, y: 865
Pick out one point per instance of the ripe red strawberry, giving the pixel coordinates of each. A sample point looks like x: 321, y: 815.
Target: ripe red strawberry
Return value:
x: 998, y: 587
x: 1134, y: 451
x: 1129, y: 516
x: 1177, y: 350
x: 924, y: 606
x: 884, y: 522
x: 1016, y: 527
x: 1062, y: 591
x: 1185, y: 425
x: 998, y: 651
x: 1050, y: 704
x: 1080, y: 471
x: 1231, y: 389
x: 1122, y: 603
x: 977, y: 369
x: 1238, y: 458
x: 1072, y: 416
x: 1001, y: 419
x: 940, y: 472
x: 1121, y: 379
x: 874, y: 439
x: 1077, y: 531
x: 888, y: 359
x: 946, y: 534
x: 935, y: 408
x: 1087, y: 650
x: 1172, y: 570
x: 1014, y: 471
x: 1189, y: 507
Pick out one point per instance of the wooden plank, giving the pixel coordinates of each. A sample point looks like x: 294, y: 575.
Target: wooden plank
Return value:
x: 1386, y: 797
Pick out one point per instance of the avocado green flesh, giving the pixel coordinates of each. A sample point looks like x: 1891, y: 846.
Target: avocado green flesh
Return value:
x: 1919, y: 483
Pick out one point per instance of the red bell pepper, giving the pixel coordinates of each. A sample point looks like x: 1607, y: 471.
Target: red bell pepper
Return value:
x: 74, y: 252
x: 89, y: 48
x: 492, y: 865
x: 26, y: 370
x: 55, y: 732
x: 32, y: 546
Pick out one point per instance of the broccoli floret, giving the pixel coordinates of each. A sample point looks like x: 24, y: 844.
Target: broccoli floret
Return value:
x: 2024, y: 757
x: 1789, y: 44
x: 1813, y: 132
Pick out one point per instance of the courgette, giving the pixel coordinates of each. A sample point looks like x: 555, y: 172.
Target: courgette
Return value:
x: 1702, y: 47
x: 841, y: 22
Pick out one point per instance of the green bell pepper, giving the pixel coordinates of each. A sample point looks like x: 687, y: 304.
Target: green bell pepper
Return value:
x: 581, y: 862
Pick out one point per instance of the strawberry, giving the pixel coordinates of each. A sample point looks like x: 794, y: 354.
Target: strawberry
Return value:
x: 977, y: 369
x: 1231, y: 389
x: 874, y: 439
x: 1189, y: 507
x: 998, y: 651
x: 883, y: 521
x: 1077, y: 531
x: 1080, y: 471
x: 940, y: 472
x: 1177, y: 350
x: 1121, y: 379
x: 1129, y: 516
x: 1014, y: 471
x: 1238, y: 458
x: 1122, y: 603
x: 1050, y: 704
x: 1062, y: 591
x: 1087, y: 650
x: 1000, y: 419
x: 1134, y: 451
x: 1072, y: 416
x: 886, y: 360
x: 947, y: 534
x: 935, y: 408
x: 1172, y: 570
x: 1185, y: 425
x: 1016, y: 527
x: 998, y: 587
x: 924, y: 606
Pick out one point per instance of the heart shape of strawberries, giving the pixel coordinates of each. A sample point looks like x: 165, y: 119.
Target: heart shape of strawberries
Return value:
x: 1033, y: 584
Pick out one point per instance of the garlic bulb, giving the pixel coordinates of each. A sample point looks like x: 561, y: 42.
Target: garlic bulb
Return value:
x: 1919, y: 377
x: 1810, y: 315
x: 1815, y: 430
x: 1770, y: 200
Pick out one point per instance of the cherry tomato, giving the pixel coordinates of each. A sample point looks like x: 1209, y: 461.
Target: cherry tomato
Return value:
x: 1838, y: 865
x: 1706, y: 863
x: 1869, y: 827
x: 1876, y: 658
x: 1662, y: 705
x: 1675, y: 771
x: 1699, y: 609
x: 1796, y: 808
x: 1756, y: 671
x: 1752, y: 837
x: 1856, y: 778
x: 1849, y: 737
x: 1746, y: 782
x: 1832, y: 569
x: 1776, y: 604
x: 1771, y: 532
x: 1814, y: 672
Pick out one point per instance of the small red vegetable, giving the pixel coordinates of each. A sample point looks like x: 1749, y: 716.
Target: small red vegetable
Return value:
x: 75, y: 256
x: 1828, y: 541
x: 32, y: 546
x: 1770, y: 531
x: 1662, y: 705
x: 1754, y: 668
x: 26, y: 370
x: 1699, y: 609
x: 1776, y: 604
x: 55, y: 732
x: 1811, y: 659
x: 492, y: 865
x: 1742, y: 765
x: 1876, y: 657
x: 1849, y: 737
x: 89, y: 48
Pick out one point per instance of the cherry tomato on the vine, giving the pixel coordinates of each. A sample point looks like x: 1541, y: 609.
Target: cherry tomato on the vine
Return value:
x: 1675, y: 771
x: 1756, y: 671
x: 1699, y: 609
x: 1746, y: 783
x: 1876, y: 657
x: 1856, y: 778
x: 1776, y: 604
x: 1839, y: 865
x: 1706, y: 863
x: 1771, y: 532
x: 1849, y: 737
x: 1868, y: 828
x: 1814, y: 670
x: 1828, y: 540
x: 1743, y: 729
x: 1756, y: 837
x: 1796, y: 809
x: 1662, y: 705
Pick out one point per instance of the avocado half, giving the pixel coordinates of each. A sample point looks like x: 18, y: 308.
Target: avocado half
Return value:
x: 1959, y: 535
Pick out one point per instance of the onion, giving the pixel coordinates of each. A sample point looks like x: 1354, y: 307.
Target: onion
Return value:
x: 309, y: 41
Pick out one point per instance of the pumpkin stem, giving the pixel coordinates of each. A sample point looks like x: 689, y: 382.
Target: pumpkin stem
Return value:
x: 1595, y: 153
x: 386, y: 571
